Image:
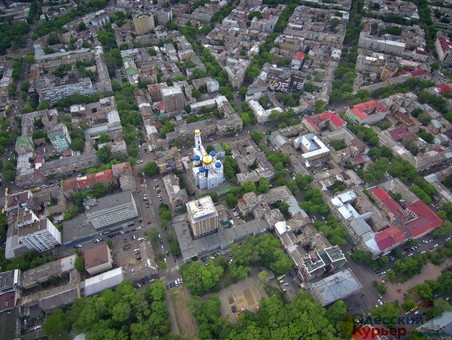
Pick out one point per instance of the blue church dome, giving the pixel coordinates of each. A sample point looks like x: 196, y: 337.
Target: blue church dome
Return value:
x: 218, y: 165
x: 197, y: 158
x: 212, y: 153
x: 202, y: 169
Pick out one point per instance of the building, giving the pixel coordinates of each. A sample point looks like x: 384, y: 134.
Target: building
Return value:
x: 312, y: 148
x: 203, y: 216
x: 143, y: 22
x: 110, y: 210
x: 98, y: 259
x: 323, y: 121
x: 177, y: 196
x: 297, y: 61
x: 105, y: 178
x: 60, y: 138
x: 164, y: 15
x: 40, y: 235
x: 443, y: 48
x: 335, y: 287
x: 173, y: 99
x: 207, y: 169
x: 106, y: 280
x: 370, y: 112
x: 24, y: 144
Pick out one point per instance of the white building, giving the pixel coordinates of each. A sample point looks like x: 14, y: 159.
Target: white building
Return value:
x: 203, y: 216
x: 260, y: 113
x: 207, y: 169
x: 40, y: 235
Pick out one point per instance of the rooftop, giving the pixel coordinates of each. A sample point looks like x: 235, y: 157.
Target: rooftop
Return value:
x: 43, y: 273
x: 364, y: 109
x: 390, y: 203
x: 87, y: 181
x: 335, y: 287
x: 203, y: 207
x: 316, y: 121
x: 426, y: 220
x: 96, y: 256
x: 111, y: 201
x: 389, y: 238
x: 33, y: 228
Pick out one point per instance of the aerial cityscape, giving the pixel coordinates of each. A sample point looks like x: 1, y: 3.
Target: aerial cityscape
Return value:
x: 225, y: 169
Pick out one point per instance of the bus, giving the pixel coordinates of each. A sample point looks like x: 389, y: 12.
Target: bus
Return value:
x: 36, y: 189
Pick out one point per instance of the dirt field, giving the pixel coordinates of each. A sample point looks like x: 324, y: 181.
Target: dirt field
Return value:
x: 244, y: 294
x: 185, y: 321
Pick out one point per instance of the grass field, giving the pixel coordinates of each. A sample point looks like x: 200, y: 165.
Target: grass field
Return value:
x: 185, y: 321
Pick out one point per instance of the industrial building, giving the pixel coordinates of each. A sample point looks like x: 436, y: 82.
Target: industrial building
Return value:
x: 111, y: 210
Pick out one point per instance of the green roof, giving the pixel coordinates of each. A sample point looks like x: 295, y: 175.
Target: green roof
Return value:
x: 23, y: 140
x: 131, y: 71
x: 126, y: 59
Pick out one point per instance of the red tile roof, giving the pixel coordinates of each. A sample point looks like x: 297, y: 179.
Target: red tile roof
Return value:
x: 389, y: 238
x: 7, y: 301
x: 333, y: 118
x: 426, y: 220
x: 419, y: 73
x: 87, y: 181
x: 364, y: 109
x: 390, y: 203
x: 444, y: 88
x: 399, y: 134
x: 445, y: 44
x: 96, y: 256
x: 299, y: 56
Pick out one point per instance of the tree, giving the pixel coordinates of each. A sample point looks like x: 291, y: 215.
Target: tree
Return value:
x: 409, y: 305
x: 104, y: 154
x: 199, y: 278
x: 55, y: 324
x: 151, y: 169
x: 387, y: 313
x: 153, y: 235
x: 79, y: 264
x: 77, y: 144
x: 104, y: 138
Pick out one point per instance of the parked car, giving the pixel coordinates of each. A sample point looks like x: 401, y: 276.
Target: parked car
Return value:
x: 149, y: 222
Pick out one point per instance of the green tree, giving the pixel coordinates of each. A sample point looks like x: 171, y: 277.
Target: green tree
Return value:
x: 104, y: 154
x: 77, y: 144
x: 151, y: 169
x: 79, y: 264
x: 104, y: 138
x: 55, y: 324
x: 199, y: 278
x: 153, y: 235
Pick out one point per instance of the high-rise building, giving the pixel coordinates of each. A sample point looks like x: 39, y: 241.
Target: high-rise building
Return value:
x: 60, y: 138
x: 203, y: 216
x: 173, y: 98
x: 143, y: 22
x: 110, y: 210
x: 41, y: 235
x: 207, y: 169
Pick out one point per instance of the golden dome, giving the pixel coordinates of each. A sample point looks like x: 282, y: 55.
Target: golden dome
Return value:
x: 207, y: 159
x: 197, y: 132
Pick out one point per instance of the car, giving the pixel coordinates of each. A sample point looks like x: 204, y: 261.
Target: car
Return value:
x: 78, y: 246
x: 281, y: 281
x: 149, y: 222
x: 285, y: 284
